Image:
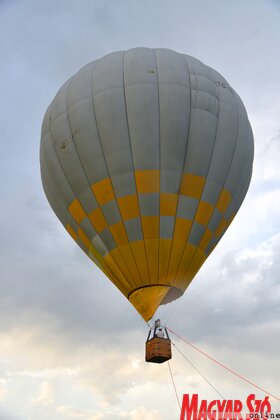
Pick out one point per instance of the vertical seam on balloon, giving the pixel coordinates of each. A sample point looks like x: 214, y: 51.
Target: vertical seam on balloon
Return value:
x: 79, y: 159
x: 78, y: 155
x: 183, y: 165
x: 76, y: 149
x: 58, y: 160
x: 120, y: 281
x: 245, y: 175
x: 159, y: 138
x: 232, y: 157
x: 209, y: 165
x: 65, y: 176
x: 234, y: 150
x: 56, y: 155
x: 104, y: 156
x: 229, y: 168
x: 129, y: 139
x: 94, y: 114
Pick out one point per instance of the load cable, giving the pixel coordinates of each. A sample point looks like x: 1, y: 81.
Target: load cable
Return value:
x: 223, y: 366
x: 174, y: 386
x: 200, y: 373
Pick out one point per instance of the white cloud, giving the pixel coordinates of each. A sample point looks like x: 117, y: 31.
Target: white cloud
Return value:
x: 142, y: 414
x: 75, y: 413
x: 3, y: 389
x: 45, y: 394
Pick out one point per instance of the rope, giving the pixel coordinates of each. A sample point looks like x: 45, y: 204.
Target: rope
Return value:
x: 172, y: 311
x: 200, y: 373
x: 223, y: 366
x: 174, y: 385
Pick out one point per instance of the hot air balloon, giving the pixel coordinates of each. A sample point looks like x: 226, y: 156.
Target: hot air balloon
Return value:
x: 146, y: 156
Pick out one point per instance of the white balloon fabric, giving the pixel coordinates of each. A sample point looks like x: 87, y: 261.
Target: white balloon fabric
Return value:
x: 146, y: 157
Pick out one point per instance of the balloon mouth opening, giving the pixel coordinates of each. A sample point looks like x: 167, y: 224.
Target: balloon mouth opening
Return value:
x: 173, y: 294
x: 148, y: 298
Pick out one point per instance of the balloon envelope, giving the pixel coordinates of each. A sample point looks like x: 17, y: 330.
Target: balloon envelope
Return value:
x: 146, y: 156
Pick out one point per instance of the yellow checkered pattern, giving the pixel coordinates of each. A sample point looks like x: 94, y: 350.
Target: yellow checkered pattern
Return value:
x: 153, y: 259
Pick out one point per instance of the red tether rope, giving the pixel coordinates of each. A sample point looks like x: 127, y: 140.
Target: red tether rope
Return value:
x: 174, y: 386
x: 223, y: 366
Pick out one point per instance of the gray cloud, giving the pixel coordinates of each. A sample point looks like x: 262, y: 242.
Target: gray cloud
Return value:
x: 48, y: 288
x: 242, y: 292
x: 7, y: 415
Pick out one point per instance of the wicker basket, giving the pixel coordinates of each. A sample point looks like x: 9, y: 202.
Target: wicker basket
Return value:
x: 158, y: 350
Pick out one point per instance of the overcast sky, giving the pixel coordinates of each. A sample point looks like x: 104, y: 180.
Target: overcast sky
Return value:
x: 71, y: 346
